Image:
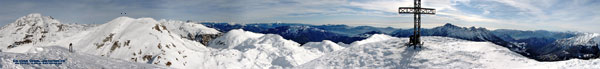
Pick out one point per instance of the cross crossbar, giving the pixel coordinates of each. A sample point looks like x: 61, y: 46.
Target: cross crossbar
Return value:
x: 411, y: 10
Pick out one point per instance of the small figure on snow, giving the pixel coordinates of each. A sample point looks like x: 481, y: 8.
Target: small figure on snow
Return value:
x: 71, y: 47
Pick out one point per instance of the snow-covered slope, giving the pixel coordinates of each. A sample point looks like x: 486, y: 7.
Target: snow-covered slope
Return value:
x: 72, y: 60
x: 243, y: 49
x: 382, y: 51
x: 324, y: 46
x: 585, y: 39
x: 582, y: 46
x: 143, y: 40
x: 35, y: 29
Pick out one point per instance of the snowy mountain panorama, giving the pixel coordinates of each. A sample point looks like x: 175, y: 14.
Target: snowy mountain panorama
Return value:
x: 126, y: 42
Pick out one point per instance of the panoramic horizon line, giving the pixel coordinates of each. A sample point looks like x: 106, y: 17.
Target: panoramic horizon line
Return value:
x: 351, y: 25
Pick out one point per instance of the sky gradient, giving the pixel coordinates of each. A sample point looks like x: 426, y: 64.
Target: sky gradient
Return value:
x: 553, y: 15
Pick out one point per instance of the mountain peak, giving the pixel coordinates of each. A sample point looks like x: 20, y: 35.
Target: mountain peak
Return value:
x: 450, y: 25
x: 35, y: 18
x: 125, y: 19
x: 34, y: 15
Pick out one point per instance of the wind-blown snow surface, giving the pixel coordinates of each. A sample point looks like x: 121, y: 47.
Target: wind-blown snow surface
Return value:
x: 73, y: 60
x: 439, y: 52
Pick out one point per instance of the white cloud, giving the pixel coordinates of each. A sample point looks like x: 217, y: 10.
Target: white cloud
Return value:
x: 443, y: 7
x: 525, y: 6
x: 386, y: 6
x: 469, y: 17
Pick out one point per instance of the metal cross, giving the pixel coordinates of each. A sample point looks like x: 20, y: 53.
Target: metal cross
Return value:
x: 415, y: 39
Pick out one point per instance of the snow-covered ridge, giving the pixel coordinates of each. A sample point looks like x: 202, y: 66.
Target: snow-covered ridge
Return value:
x: 324, y: 46
x: 373, y: 38
x: 233, y: 38
x: 243, y: 49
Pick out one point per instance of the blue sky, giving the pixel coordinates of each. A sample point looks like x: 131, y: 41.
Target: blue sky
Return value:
x: 554, y: 15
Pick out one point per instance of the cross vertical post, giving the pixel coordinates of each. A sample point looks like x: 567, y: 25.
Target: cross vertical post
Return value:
x: 415, y: 39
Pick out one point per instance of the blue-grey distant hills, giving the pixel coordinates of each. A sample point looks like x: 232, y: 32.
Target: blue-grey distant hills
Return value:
x: 539, y: 44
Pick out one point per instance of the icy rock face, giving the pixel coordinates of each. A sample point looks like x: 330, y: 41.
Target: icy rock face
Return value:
x: 35, y: 29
